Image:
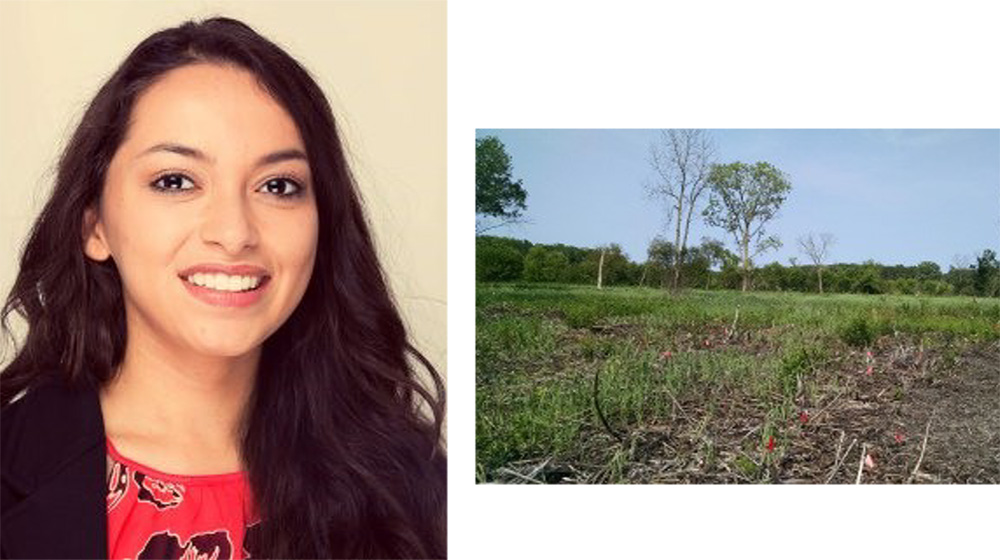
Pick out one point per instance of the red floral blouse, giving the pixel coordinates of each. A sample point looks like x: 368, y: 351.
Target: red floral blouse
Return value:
x: 157, y: 515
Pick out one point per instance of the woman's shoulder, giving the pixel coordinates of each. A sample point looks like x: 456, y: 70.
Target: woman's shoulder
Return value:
x: 48, y: 397
x: 52, y: 422
x: 52, y: 479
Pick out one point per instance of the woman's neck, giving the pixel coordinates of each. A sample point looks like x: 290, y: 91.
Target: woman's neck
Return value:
x: 177, y: 412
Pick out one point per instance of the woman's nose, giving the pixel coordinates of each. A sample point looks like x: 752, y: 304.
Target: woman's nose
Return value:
x: 229, y: 223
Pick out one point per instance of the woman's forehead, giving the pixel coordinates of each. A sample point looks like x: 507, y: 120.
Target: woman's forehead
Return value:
x: 220, y: 109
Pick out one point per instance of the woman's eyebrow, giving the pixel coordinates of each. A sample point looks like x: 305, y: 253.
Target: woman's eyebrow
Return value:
x: 268, y: 159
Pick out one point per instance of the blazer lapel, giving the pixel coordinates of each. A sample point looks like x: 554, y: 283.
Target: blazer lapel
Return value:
x: 54, y: 458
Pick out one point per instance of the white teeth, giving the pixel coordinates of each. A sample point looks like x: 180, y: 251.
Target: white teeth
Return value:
x: 223, y: 282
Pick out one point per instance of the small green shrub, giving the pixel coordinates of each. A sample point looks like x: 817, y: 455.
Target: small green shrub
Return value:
x: 747, y: 467
x: 799, y: 361
x: 581, y: 316
x: 858, y: 332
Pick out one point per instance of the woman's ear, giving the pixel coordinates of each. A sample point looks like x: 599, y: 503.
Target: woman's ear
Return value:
x: 95, y: 245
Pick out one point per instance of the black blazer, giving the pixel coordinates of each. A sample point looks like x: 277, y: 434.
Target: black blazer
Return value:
x: 53, y: 493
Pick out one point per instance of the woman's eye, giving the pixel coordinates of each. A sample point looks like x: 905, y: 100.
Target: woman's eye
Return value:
x: 280, y: 186
x: 173, y: 182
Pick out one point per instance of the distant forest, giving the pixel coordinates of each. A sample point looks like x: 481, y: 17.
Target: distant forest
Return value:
x: 713, y: 267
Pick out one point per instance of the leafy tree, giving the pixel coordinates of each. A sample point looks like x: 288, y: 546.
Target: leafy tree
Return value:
x: 556, y: 267
x: 962, y: 280
x: 896, y: 272
x: 867, y: 279
x: 497, y: 194
x: 682, y: 160
x: 574, y: 254
x: 928, y: 270
x: 576, y: 269
x: 660, y: 255
x: 697, y: 264
x: 711, y: 255
x: 987, y: 279
x: 498, y: 259
x: 618, y: 269
x: 744, y: 198
x: 906, y: 286
x: 935, y: 287
x: 795, y: 279
x: 717, y: 253
x: 545, y: 265
x: 649, y: 273
x: 817, y: 248
x: 534, y: 264
x: 838, y: 278
x: 771, y: 277
x: 731, y: 277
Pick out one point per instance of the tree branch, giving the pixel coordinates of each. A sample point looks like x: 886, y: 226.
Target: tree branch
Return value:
x: 481, y: 230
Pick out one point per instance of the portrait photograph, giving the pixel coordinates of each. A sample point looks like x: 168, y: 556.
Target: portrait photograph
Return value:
x: 224, y: 280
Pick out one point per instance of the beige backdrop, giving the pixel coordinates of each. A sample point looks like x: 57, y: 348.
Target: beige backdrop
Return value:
x: 381, y: 64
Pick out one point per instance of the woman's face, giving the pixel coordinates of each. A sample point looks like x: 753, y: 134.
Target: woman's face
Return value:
x: 208, y: 212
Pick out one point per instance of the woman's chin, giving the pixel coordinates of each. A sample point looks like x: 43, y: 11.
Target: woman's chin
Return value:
x: 225, y: 347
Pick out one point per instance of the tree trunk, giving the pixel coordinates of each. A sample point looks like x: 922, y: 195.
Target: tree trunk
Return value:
x: 820, y: 280
x: 677, y: 243
x: 600, y: 271
x: 687, y: 228
x: 746, y: 259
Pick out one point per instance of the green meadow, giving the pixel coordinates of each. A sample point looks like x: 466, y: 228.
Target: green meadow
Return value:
x: 620, y: 385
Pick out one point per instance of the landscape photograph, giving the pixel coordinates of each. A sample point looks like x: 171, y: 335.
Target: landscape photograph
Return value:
x: 737, y: 306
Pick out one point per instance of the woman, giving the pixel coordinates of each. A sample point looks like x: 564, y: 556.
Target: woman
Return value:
x: 213, y: 364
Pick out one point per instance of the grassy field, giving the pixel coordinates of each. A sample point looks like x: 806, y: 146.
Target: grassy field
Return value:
x: 579, y: 385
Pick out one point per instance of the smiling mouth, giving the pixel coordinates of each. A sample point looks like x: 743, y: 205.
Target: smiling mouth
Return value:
x: 226, y: 283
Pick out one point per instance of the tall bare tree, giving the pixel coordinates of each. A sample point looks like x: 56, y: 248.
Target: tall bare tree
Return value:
x: 600, y: 270
x: 682, y: 160
x: 817, y: 249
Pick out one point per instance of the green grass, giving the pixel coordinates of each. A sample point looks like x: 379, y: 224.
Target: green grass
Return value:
x: 539, y: 347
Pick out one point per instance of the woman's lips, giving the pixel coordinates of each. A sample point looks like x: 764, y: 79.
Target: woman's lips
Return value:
x: 221, y: 298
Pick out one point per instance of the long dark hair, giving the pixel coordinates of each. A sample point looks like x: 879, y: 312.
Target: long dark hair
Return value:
x: 342, y: 441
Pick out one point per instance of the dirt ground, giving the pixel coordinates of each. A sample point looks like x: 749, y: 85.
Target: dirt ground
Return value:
x: 940, y: 412
x: 921, y: 416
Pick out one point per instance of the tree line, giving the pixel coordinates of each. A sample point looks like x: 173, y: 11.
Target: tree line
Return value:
x: 711, y: 266
x: 742, y: 200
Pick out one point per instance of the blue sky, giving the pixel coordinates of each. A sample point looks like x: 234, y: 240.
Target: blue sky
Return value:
x: 895, y: 196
